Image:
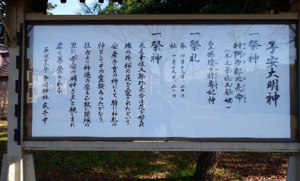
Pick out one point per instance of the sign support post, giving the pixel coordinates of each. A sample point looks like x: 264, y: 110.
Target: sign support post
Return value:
x: 17, y: 165
x: 294, y: 158
x: 293, y: 173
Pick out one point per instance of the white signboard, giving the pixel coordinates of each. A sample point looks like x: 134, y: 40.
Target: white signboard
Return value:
x: 186, y: 81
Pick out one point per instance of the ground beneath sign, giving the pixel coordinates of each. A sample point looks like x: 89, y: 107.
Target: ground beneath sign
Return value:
x: 68, y: 165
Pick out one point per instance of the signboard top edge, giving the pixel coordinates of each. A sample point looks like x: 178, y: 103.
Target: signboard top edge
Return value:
x: 244, y: 17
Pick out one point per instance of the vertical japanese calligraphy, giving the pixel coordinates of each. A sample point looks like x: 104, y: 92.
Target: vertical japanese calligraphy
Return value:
x: 128, y: 80
x: 173, y: 68
x: 273, y: 79
x: 141, y: 85
x: 101, y: 85
x: 73, y: 81
x: 45, y: 85
x: 212, y: 75
x: 156, y: 46
x: 194, y: 45
x: 239, y: 60
x: 114, y: 83
x: 228, y: 78
x: 182, y: 69
x: 59, y: 69
x: 87, y: 75
x: 253, y: 44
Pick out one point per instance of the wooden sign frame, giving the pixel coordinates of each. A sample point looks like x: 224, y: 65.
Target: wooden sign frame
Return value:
x: 18, y: 163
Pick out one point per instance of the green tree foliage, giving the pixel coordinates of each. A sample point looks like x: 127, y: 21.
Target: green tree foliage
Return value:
x: 50, y: 7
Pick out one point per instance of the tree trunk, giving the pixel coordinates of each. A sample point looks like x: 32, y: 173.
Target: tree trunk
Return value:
x: 206, y: 166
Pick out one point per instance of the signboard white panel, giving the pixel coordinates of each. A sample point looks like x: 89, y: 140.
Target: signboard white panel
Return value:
x: 175, y: 80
